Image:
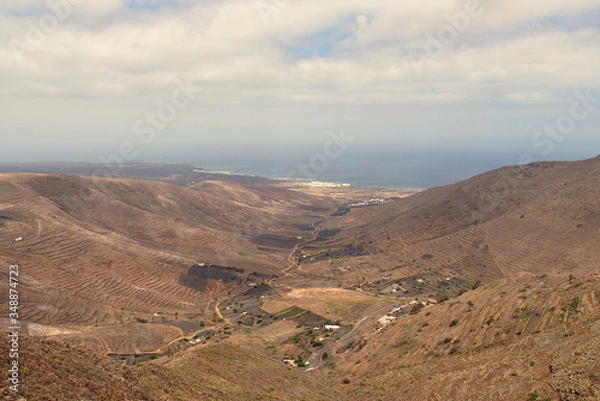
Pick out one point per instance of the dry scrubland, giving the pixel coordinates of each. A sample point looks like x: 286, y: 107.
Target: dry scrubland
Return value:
x: 100, y: 255
x: 520, y: 335
x: 538, y: 218
x: 106, y: 266
x: 56, y: 371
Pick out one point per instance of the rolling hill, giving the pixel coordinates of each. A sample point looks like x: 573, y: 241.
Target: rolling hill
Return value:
x: 538, y: 218
x: 207, y: 286
x: 517, y: 336
x: 97, y: 253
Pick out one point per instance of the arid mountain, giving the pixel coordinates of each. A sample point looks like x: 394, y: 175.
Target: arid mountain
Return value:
x: 518, y: 336
x: 487, y: 289
x: 97, y: 253
x: 54, y: 371
x: 540, y: 218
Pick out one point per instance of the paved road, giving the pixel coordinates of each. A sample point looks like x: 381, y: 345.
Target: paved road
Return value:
x: 316, y: 359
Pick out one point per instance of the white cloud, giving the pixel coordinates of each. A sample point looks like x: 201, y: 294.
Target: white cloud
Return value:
x: 532, y: 97
x: 514, y: 51
x: 121, y: 52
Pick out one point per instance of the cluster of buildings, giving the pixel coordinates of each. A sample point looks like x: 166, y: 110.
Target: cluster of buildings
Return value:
x: 324, y: 184
x: 370, y: 202
x: 318, y: 184
x: 402, y: 310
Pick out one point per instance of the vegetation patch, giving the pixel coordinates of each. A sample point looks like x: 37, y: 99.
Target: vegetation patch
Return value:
x: 290, y: 312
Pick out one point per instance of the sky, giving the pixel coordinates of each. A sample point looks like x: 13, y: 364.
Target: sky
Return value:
x: 194, y: 80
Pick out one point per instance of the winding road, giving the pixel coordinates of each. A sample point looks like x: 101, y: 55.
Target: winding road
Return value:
x: 316, y: 360
x: 291, y: 259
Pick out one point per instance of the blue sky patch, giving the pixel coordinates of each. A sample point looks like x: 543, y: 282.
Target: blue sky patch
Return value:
x: 319, y: 44
x: 149, y: 4
x: 31, y: 11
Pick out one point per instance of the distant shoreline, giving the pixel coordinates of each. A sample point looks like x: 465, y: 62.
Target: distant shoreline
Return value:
x: 316, y: 183
x: 178, y: 173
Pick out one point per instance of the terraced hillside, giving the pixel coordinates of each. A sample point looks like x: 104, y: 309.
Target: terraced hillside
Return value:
x: 539, y: 218
x: 525, y: 337
x: 485, y: 289
x: 97, y: 253
x: 518, y: 336
x: 55, y: 371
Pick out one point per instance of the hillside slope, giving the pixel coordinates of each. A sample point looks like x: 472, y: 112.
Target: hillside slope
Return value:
x: 539, y: 218
x: 104, y: 261
x: 519, y: 336
x: 54, y: 371
x: 508, y: 261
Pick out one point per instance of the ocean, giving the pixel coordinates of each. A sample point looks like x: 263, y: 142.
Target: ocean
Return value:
x: 409, y: 170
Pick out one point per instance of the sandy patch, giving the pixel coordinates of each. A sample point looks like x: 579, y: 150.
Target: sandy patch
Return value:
x: 279, y: 332
x: 272, y: 306
x: 326, y: 294
x: 334, y: 303
x: 41, y: 330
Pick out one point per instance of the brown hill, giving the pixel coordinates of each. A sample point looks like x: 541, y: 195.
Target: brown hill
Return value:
x: 518, y: 336
x: 54, y: 371
x: 130, y: 266
x: 97, y: 253
x: 524, y: 337
x: 540, y: 218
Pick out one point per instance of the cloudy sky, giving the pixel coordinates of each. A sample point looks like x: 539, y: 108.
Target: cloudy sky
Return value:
x: 161, y: 79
